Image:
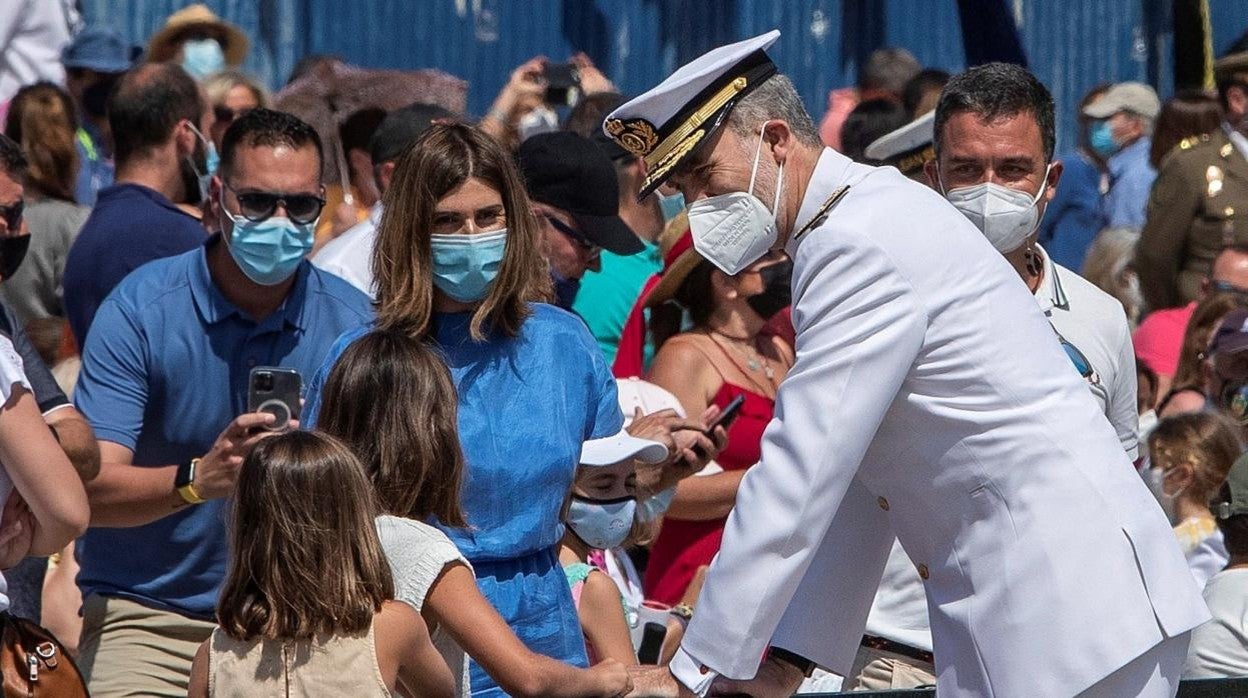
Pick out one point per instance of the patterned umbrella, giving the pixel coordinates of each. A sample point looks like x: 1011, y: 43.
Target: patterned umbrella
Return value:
x: 329, y: 95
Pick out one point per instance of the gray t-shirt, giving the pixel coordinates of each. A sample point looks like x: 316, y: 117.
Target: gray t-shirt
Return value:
x: 1219, y: 648
x: 417, y: 554
x: 35, y: 291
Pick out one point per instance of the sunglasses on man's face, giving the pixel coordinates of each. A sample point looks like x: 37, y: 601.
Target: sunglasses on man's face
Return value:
x: 12, y: 214
x: 573, y: 234
x: 257, y: 206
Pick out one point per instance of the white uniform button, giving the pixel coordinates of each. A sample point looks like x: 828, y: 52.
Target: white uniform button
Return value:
x: 923, y: 572
x: 883, y: 503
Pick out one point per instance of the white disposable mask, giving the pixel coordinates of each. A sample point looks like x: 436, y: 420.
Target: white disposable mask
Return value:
x: 1005, y: 216
x: 734, y: 230
x: 1156, y: 480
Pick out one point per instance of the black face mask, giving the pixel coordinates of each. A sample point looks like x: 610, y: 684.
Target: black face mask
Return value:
x: 12, y: 252
x: 777, y: 292
x: 95, y: 96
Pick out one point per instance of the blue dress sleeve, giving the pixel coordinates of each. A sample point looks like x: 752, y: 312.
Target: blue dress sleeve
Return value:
x: 605, y: 418
x: 312, y: 397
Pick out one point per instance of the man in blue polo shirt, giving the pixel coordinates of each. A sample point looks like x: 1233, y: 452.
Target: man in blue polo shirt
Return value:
x: 164, y: 384
x: 158, y: 118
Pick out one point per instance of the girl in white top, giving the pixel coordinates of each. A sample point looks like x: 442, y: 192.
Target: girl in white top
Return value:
x: 305, y: 609
x: 44, y: 501
x: 1190, y: 455
x: 414, y: 461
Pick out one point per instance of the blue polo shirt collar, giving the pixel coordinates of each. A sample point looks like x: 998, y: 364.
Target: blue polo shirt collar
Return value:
x: 214, y: 307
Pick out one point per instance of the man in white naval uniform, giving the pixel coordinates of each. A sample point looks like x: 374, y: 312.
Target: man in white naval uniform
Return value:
x: 928, y: 400
x: 998, y: 132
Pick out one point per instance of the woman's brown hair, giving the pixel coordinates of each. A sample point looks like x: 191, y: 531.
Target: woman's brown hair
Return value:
x: 439, y: 161
x: 1208, y: 442
x: 1205, y: 318
x: 1189, y: 113
x: 390, y: 398
x: 305, y: 557
x: 41, y: 119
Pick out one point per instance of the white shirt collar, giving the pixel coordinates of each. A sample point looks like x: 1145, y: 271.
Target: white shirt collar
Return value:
x: 1239, y: 139
x: 1050, y: 294
x: 374, y: 214
x: 829, y: 171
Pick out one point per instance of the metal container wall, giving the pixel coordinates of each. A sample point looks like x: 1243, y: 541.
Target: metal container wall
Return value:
x: 1071, y: 44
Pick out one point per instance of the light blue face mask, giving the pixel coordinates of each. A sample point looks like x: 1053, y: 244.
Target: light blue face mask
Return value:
x: 203, y: 58
x: 1101, y: 139
x: 465, y: 266
x: 602, y: 524
x: 269, y: 251
x: 211, y: 161
x: 671, y: 205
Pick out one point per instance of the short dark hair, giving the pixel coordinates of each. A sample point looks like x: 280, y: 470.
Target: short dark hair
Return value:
x: 146, y: 105
x: 1234, y: 528
x: 12, y: 159
x: 994, y: 91
x: 267, y: 127
x: 928, y: 80
x: 867, y: 122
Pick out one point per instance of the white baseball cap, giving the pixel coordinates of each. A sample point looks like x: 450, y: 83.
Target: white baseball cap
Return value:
x: 621, y: 447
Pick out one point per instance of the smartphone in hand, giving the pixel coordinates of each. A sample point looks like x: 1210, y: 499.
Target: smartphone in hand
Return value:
x: 725, y: 419
x: 277, y: 391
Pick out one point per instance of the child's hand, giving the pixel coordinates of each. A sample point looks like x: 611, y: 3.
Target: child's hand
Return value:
x: 17, y: 531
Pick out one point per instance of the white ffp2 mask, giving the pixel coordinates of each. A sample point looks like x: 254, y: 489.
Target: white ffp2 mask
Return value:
x: 734, y: 230
x: 1005, y: 216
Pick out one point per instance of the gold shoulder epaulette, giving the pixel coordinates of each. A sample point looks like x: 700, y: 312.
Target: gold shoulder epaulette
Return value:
x: 1191, y: 141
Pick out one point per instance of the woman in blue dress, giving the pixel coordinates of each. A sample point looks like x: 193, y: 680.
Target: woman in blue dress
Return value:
x: 457, y: 261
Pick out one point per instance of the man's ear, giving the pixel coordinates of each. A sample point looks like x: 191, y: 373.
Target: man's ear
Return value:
x: 1055, y: 174
x: 933, y: 175
x: 779, y: 137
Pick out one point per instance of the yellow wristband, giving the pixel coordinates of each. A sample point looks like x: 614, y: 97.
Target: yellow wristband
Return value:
x: 187, y: 491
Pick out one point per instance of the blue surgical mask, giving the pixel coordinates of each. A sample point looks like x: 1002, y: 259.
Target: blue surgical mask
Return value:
x: 269, y: 251
x: 671, y: 205
x: 203, y: 58
x: 1101, y: 139
x: 465, y: 266
x: 602, y: 524
x: 211, y: 161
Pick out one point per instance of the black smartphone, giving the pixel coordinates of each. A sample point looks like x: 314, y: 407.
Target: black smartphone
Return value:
x: 277, y: 391
x: 563, y: 84
x: 725, y: 419
x: 727, y: 416
x: 651, y: 643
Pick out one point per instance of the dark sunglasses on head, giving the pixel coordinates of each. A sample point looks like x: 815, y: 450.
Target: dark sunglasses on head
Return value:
x: 576, y: 236
x: 12, y: 214
x: 225, y: 115
x: 257, y: 206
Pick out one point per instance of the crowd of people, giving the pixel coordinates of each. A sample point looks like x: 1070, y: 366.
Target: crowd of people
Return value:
x: 534, y: 371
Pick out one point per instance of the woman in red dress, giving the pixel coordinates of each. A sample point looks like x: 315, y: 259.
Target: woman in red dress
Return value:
x: 729, y: 350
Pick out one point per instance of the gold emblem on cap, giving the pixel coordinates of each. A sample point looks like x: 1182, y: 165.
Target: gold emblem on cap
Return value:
x: 637, y: 136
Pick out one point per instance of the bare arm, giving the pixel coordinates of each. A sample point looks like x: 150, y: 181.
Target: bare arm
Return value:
x: 41, y: 474
x: 706, y: 497
x: 602, y: 619
x: 77, y: 440
x: 405, y: 651
x: 455, y: 602
x: 128, y: 495
x: 198, y: 687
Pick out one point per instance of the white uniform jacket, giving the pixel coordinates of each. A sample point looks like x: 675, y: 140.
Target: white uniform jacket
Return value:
x: 930, y: 399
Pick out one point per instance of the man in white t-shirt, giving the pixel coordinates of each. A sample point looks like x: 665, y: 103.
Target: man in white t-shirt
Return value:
x: 1219, y: 648
x: 350, y: 255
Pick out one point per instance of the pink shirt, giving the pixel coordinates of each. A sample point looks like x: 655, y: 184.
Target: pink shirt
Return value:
x: 1159, y: 338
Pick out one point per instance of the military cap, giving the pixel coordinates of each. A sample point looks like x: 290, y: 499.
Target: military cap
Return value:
x: 664, y: 126
x: 908, y: 148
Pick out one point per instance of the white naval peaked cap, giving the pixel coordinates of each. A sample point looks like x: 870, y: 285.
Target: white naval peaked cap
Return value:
x: 665, y: 125
x: 908, y: 148
x: 621, y: 447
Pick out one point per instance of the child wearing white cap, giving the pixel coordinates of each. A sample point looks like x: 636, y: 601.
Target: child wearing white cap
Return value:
x: 600, y: 516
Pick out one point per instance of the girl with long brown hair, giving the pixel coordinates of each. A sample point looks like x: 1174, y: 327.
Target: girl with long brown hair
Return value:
x: 457, y: 262
x: 306, y: 605
x: 41, y: 119
x: 415, y: 464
